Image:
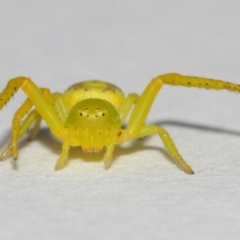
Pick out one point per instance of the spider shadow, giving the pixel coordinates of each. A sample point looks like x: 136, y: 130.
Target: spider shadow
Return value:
x: 76, y: 153
x: 197, y: 126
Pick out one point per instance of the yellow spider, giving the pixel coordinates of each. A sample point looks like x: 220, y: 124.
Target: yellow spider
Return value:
x: 91, y: 114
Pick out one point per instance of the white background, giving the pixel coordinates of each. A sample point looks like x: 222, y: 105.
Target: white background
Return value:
x: 143, y: 195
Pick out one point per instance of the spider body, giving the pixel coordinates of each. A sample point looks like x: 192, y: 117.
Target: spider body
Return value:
x: 91, y: 114
x: 91, y: 110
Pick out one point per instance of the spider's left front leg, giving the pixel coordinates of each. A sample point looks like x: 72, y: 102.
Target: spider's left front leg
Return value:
x: 135, y: 128
x: 18, y: 131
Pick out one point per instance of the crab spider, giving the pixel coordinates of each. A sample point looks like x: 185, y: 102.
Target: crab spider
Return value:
x: 91, y: 114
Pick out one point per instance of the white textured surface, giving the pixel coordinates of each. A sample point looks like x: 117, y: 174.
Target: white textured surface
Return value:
x: 144, y: 195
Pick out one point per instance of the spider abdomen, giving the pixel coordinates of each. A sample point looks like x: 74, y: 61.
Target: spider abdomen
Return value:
x: 94, y: 89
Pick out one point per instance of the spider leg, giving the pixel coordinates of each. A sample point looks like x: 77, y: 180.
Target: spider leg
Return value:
x: 44, y: 103
x: 143, y: 104
x: 20, y: 113
x: 62, y: 161
x: 42, y: 100
x: 145, y: 101
x: 60, y: 105
x: 37, y: 121
x: 32, y: 117
x: 127, y: 105
x: 59, y: 108
x: 108, y: 154
x: 141, y: 109
x: 123, y: 113
x: 35, y: 118
x: 198, y: 82
x: 169, y: 144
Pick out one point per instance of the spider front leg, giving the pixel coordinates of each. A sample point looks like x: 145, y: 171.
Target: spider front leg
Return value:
x: 127, y: 105
x: 19, y: 131
x: 198, y: 82
x: 44, y: 103
x: 135, y: 128
x: 33, y: 118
